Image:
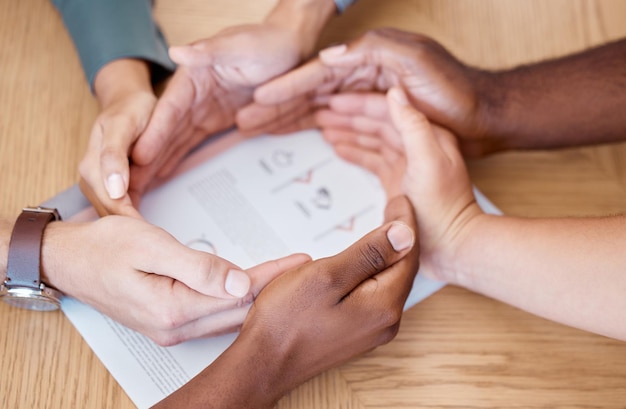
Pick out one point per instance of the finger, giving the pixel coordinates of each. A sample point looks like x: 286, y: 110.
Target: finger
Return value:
x: 116, y: 141
x: 262, y: 274
x: 198, y: 54
x: 369, y: 159
x: 415, y: 129
x: 301, y: 123
x: 394, y: 283
x: 169, y: 310
x: 301, y: 81
x: 327, y: 118
x: 200, y: 271
x: 140, y: 179
x: 361, y: 125
x: 225, y: 322
x: 257, y: 118
x: 371, y: 105
x: 449, y: 143
x: 211, y: 325
x: 374, y: 253
x: 340, y: 137
x: 91, y: 181
x: 123, y: 206
x: 385, y: 47
x: 170, y: 161
x: 169, y: 111
x: 189, y: 314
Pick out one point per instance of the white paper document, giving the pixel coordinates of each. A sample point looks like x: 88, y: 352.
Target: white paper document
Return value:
x: 247, y: 201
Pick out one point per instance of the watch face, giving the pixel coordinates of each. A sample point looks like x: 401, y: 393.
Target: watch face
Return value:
x: 35, y: 304
x: 30, y: 299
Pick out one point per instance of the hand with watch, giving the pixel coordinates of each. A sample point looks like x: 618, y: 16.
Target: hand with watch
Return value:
x: 120, y: 263
x: 22, y: 286
x: 360, y: 292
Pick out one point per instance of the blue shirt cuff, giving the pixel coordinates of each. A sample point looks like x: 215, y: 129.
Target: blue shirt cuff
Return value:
x: 342, y: 5
x: 107, y: 30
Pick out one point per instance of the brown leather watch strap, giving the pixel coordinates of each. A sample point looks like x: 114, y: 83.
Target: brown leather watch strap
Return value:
x: 24, y: 262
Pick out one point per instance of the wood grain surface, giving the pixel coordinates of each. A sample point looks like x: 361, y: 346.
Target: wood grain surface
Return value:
x: 454, y: 350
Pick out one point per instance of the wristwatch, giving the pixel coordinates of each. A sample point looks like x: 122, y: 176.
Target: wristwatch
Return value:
x: 23, y: 287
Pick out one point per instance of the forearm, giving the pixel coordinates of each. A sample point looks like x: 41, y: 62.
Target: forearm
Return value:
x: 239, y: 378
x: 575, y: 100
x: 104, y: 31
x: 120, y: 78
x: 306, y: 17
x: 570, y: 270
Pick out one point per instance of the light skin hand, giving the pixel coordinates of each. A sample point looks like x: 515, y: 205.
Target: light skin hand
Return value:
x: 216, y: 77
x: 314, y: 317
x: 142, y: 277
x: 528, y: 263
x: 126, y: 99
x: 430, y: 167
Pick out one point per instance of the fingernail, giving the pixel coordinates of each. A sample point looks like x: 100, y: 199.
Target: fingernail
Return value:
x: 237, y: 283
x: 400, y: 236
x: 334, y: 51
x: 115, y: 186
x: 398, y: 95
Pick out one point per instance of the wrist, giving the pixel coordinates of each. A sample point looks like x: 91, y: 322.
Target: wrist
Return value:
x: 305, y: 18
x: 243, y: 376
x: 58, y: 251
x: 121, y: 78
x: 491, y: 115
x: 475, y: 252
x: 456, y: 261
x: 262, y: 365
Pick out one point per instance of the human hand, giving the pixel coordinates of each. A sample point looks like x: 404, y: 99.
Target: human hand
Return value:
x: 314, y: 317
x: 140, y: 276
x: 429, y: 167
x: 328, y: 311
x: 448, y: 92
x: 126, y: 99
x: 216, y: 77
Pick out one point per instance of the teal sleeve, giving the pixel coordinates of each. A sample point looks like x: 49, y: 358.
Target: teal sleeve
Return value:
x: 106, y: 30
x: 344, y: 4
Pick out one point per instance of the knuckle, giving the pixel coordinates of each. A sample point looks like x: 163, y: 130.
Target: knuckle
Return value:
x: 167, y: 317
x: 112, y: 152
x: 389, y: 317
x: 166, y: 339
x: 326, y: 276
x: 374, y: 256
x: 388, y: 334
x: 205, y: 269
x: 84, y: 168
x: 374, y: 34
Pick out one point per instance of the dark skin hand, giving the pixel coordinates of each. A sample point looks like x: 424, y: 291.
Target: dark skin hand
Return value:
x: 312, y: 318
x: 542, y: 105
x: 437, y: 84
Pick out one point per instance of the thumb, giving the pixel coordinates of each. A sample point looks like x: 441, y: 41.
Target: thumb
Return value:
x: 200, y: 271
x: 371, y: 255
x: 198, y: 54
x: 341, y: 55
x: 415, y: 129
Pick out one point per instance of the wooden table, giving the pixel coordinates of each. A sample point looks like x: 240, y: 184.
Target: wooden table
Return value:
x: 456, y: 349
